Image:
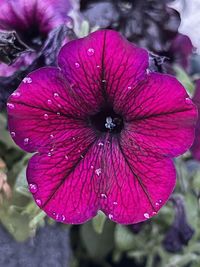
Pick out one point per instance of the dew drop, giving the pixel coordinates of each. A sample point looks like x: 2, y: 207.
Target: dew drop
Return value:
x: 33, y: 188
x: 82, y: 156
x: 157, y: 204
x: 49, y: 102
x: 73, y: 138
x: 27, y: 80
x: 39, y: 202
x: 92, y: 167
x: 188, y: 101
x: 90, y: 52
x: 58, y: 113
x: 110, y: 216
x: 77, y: 65
x: 49, y: 154
x: 13, y: 134
x: 51, y: 136
x: 16, y: 94
x: 115, y: 203
x: 26, y: 141
x: 10, y: 105
x: 104, y: 196
x: 46, y: 116
x: 100, y: 144
x: 154, y: 213
x: 66, y: 157
x: 56, y: 95
x: 129, y: 87
x: 63, y: 218
x: 103, y: 81
x: 98, y: 171
x: 160, y: 201
x: 148, y: 71
x: 146, y: 215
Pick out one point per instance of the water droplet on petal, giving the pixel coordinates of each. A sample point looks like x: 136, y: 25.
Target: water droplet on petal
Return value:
x: 110, y: 216
x: 63, y: 218
x: 27, y: 80
x: 188, y: 101
x: 104, y: 196
x: 146, y: 215
x: 129, y: 87
x: 100, y: 144
x: 51, y: 136
x: 92, y: 167
x: 58, y: 113
x: 90, y: 52
x: 33, y: 188
x: 49, y: 102
x: 39, y: 202
x: 98, y: 67
x: 98, y: 171
x: 77, y: 65
x: 13, y: 134
x: 148, y: 71
x: 115, y: 203
x: 66, y: 157
x: 16, y: 94
x: 26, y: 141
x: 157, y: 204
x: 56, y: 95
x: 154, y: 213
x: 82, y: 156
x: 49, y: 154
x: 10, y: 105
x: 103, y: 81
x: 46, y: 116
x: 160, y: 201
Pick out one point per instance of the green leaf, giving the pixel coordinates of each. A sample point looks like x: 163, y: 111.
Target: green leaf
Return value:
x: 183, y: 77
x: 98, y: 245
x: 98, y: 222
x: 124, y: 239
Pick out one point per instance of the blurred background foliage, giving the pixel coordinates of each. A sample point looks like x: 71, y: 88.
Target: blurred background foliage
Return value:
x: 170, y: 239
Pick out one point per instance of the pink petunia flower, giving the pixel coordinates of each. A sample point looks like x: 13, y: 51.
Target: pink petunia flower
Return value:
x: 105, y: 131
x: 32, y: 20
x: 195, y: 149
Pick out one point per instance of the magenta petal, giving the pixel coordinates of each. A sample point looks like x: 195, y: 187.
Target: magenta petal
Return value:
x: 68, y: 190
x: 195, y: 149
x: 138, y: 185
x: 160, y: 116
x: 103, y: 60
x: 43, y: 112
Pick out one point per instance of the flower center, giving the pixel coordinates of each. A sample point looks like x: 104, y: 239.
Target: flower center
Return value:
x: 107, y: 121
x: 33, y: 37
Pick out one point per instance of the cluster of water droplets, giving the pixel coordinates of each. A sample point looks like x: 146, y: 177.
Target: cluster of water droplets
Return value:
x: 157, y: 204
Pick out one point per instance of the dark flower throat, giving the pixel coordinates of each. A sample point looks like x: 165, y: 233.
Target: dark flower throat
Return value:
x: 107, y: 121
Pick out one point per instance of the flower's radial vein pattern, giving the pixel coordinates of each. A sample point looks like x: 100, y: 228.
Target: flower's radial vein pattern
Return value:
x: 105, y: 131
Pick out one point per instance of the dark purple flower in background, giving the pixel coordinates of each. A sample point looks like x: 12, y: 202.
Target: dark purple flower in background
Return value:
x: 150, y: 24
x: 105, y: 130
x: 43, y: 26
x: 195, y: 149
x: 180, y: 232
x: 179, y: 52
x: 32, y: 20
